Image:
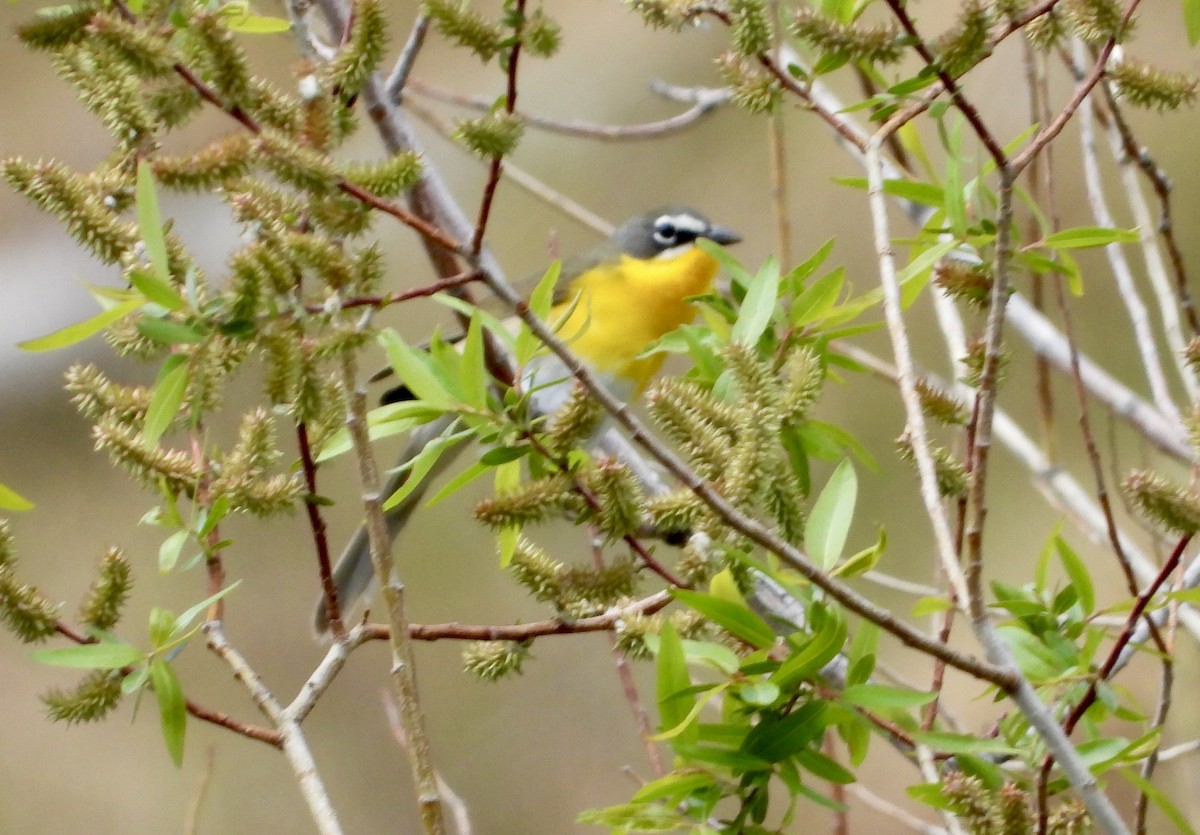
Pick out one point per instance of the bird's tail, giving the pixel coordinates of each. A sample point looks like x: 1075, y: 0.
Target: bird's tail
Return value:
x: 354, y: 574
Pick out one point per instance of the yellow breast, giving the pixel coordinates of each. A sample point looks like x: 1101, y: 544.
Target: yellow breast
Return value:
x: 624, y: 306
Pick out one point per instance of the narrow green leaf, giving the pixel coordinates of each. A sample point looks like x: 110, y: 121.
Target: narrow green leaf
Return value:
x: 458, y: 482
x: 540, y: 302
x: 824, y: 767
x: 102, y: 656
x: 170, y: 551
x: 172, y: 709
x: 80, y: 331
x: 1036, y: 659
x: 1177, y: 818
x: 150, y: 225
x: 10, y: 499
x: 812, y: 657
x: 1191, y: 20
x: 930, y: 605
x: 778, y: 739
x: 759, y: 304
x: 415, y: 370
x: 736, y: 619
x: 759, y: 693
x: 501, y: 329
x: 672, y: 786
x: 717, y: 656
x: 473, y: 377
x: 864, y: 560
x: 382, y: 422
x: 155, y: 289
x: 253, y: 24
x: 883, y: 697
x: 420, y: 466
x: 1089, y: 236
x: 169, y: 390
x: 829, y: 523
x: 1081, y: 580
x: 951, y: 743
x: 955, y: 204
x: 818, y: 299
x: 675, y: 700
x: 795, y: 279
x: 166, y: 332
x: 725, y: 258
x: 184, y: 620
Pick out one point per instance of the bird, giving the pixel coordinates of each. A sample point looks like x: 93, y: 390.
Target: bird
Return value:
x: 610, y: 303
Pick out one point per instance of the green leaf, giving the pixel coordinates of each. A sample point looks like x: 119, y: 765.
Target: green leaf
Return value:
x: 156, y: 289
x: 930, y: 605
x: 169, y: 390
x: 1081, y: 581
x: 675, y: 700
x: 883, y: 697
x: 812, y: 657
x: 150, y: 226
x: 473, y: 377
x: 253, y: 24
x: 80, y: 331
x: 775, y: 740
x: 192, y: 612
x: 824, y: 767
x: 1036, y: 659
x: 732, y: 617
x: 540, y: 302
x: 1191, y: 22
x: 415, y: 370
x: 951, y: 743
x: 672, y: 786
x: 382, y: 422
x: 1177, y: 818
x: 725, y: 258
x: 955, y: 203
x: 795, y: 279
x: 102, y: 656
x: 1089, y: 236
x: 419, y: 466
x: 759, y: 304
x: 717, y: 656
x: 170, y: 551
x: 458, y: 482
x: 10, y: 499
x: 166, y: 332
x: 172, y: 709
x: 864, y: 560
x: 818, y: 299
x: 759, y: 693
x: 829, y: 522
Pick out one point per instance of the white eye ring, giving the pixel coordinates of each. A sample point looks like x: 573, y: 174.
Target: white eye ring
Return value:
x: 665, y: 232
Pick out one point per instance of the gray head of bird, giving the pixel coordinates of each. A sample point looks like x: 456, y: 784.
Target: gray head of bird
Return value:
x: 667, y: 232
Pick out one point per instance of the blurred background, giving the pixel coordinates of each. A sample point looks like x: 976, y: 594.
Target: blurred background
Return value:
x: 527, y: 754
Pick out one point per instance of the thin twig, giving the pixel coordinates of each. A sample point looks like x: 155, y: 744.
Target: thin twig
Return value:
x: 295, y: 746
x: 398, y: 78
x: 704, y: 101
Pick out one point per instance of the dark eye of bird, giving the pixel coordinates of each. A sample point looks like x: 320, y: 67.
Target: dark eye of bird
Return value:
x: 665, y: 233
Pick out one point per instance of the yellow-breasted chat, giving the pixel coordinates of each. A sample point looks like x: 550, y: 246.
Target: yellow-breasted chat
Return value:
x: 610, y: 304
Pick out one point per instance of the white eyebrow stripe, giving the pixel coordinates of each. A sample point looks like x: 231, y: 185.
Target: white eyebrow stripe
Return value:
x: 688, y: 223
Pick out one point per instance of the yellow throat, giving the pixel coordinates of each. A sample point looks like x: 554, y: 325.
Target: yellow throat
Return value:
x: 623, y: 306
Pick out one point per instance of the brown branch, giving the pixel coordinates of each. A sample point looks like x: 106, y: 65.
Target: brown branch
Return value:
x: 523, y: 631
x: 320, y: 536
x: 510, y: 107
